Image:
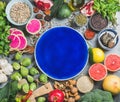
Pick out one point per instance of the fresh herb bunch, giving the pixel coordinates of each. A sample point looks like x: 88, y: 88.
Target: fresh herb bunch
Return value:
x: 4, y: 30
x: 107, y: 8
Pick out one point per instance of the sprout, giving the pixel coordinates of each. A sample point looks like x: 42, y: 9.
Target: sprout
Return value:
x: 33, y: 86
x: 25, y: 87
x: 43, y: 78
x: 16, y: 65
x: 18, y: 56
x: 26, y: 62
x: 30, y: 78
x: 33, y: 71
x: 28, y: 100
x: 24, y: 71
x: 18, y: 99
x: 41, y: 99
x: 21, y: 82
x: 16, y: 76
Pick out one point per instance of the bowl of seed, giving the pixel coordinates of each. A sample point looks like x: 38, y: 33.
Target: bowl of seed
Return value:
x: 19, y: 12
x: 80, y: 20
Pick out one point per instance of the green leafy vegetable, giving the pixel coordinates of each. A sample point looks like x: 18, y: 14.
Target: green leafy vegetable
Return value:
x: 4, y: 30
x: 97, y: 95
x: 8, y: 93
x: 107, y: 8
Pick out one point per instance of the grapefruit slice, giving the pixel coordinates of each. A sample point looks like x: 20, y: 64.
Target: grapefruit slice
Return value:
x: 33, y: 26
x: 15, y: 41
x: 23, y: 42
x: 97, y: 71
x: 112, y: 62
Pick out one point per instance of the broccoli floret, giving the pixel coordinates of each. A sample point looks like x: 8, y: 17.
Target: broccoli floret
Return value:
x: 97, y: 95
x: 106, y: 96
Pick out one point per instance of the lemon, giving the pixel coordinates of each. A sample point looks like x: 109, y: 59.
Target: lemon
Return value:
x: 96, y: 55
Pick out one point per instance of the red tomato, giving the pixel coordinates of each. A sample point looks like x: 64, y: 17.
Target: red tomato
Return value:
x: 56, y: 96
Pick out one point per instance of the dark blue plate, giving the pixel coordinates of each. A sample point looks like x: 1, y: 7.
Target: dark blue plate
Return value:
x: 61, y: 53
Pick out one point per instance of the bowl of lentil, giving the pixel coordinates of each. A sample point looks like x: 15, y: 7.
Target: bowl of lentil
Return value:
x: 19, y: 12
x: 97, y: 22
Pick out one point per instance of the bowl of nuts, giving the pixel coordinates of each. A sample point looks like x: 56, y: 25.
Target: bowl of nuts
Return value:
x: 108, y: 39
x: 19, y: 12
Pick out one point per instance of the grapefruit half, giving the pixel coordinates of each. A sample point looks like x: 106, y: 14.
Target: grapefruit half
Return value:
x: 112, y: 62
x: 97, y: 71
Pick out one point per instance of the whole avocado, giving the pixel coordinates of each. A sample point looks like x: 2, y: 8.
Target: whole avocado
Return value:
x: 64, y: 12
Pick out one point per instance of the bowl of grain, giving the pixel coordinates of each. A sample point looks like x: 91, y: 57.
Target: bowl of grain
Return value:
x: 19, y: 12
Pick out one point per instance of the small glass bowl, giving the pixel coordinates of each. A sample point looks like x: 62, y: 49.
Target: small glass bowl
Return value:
x: 8, y: 9
x: 80, y: 20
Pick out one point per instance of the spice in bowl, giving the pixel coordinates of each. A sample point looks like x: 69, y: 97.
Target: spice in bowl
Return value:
x: 20, y: 12
x: 80, y: 20
x: 97, y: 22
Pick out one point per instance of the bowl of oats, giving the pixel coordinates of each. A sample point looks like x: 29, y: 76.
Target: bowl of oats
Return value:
x: 19, y: 12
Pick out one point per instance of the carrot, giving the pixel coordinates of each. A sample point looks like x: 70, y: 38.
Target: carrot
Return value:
x: 89, y: 34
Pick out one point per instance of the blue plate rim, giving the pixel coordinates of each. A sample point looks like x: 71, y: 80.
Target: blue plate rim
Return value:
x: 45, y: 72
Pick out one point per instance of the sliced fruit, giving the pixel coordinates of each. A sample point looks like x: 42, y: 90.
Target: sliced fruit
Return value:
x: 97, y: 71
x: 96, y: 55
x: 33, y: 26
x: 85, y: 84
x: 15, y: 41
x: 112, y: 84
x: 17, y: 32
x: 12, y: 29
x: 112, y: 62
x: 23, y: 42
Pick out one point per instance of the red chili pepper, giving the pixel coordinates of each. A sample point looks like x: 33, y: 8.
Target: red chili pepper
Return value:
x: 27, y: 96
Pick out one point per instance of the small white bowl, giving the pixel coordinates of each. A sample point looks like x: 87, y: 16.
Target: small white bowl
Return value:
x: 111, y: 32
x: 8, y: 8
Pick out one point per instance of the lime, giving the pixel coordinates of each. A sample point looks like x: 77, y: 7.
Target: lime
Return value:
x: 96, y: 55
